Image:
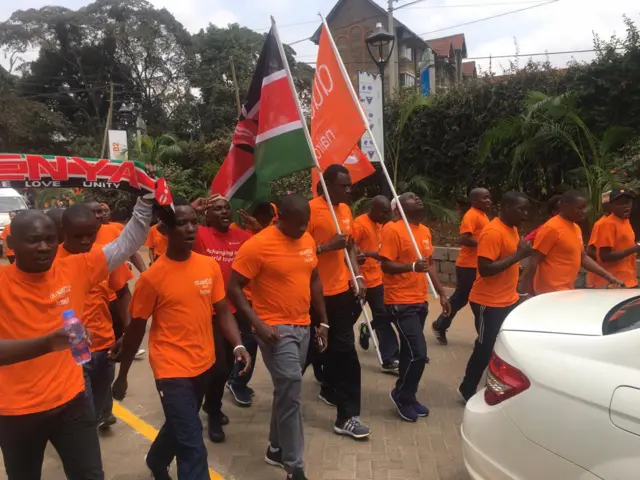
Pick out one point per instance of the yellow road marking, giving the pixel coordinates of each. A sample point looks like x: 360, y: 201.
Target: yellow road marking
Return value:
x: 144, y: 429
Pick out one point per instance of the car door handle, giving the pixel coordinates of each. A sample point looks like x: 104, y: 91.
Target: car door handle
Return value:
x: 624, y: 409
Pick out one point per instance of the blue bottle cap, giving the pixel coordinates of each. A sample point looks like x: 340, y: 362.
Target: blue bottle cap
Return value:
x: 67, y: 314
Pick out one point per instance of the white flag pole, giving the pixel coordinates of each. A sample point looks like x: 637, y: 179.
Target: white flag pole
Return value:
x: 354, y: 279
x: 356, y: 99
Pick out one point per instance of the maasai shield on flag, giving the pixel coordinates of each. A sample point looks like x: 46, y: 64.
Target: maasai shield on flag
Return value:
x: 269, y: 142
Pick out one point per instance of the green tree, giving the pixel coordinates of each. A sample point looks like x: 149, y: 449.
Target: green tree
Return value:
x: 162, y: 150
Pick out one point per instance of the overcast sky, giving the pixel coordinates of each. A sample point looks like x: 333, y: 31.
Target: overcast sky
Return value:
x: 559, y: 26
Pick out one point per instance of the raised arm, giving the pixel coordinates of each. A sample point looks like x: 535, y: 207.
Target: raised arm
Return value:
x: 131, y: 238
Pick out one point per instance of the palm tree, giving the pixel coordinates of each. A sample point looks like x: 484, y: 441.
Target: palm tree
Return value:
x: 553, y: 121
x: 410, y: 181
x: 163, y: 150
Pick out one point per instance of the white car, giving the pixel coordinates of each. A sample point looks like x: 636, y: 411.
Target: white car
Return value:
x: 562, y: 399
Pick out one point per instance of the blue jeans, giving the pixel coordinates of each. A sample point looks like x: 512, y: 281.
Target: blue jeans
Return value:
x: 181, y: 434
x: 99, y: 373
x: 381, y: 324
x: 409, y: 320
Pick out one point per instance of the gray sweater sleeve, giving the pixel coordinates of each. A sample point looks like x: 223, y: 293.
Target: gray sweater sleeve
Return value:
x: 131, y: 238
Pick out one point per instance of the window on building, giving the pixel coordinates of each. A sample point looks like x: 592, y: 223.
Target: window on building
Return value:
x: 407, y: 80
x: 407, y: 52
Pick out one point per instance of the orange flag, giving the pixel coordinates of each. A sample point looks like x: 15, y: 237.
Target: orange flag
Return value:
x: 336, y: 122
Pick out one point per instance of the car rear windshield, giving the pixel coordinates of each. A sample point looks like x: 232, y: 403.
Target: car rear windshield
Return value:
x: 10, y: 204
x: 622, y: 318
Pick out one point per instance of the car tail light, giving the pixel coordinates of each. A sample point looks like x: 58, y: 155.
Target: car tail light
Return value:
x: 503, y: 381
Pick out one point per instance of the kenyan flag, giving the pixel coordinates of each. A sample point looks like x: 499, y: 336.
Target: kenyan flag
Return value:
x: 269, y: 141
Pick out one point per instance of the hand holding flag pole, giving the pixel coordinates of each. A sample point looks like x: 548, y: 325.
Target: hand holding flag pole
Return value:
x: 375, y: 146
x: 322, y: 182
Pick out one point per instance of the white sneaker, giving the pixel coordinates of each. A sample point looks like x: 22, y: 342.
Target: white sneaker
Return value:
x: 140, y: 352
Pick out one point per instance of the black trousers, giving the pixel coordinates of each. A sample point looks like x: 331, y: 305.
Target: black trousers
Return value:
x: 465, y: 277
x: 71, y: 429
x: 409, y: 320
x: 381, y: 324
x: 341, y: 367
x: 488, y: 322
x: 181, y: 435
x: 220, y: 372
x: 250, y: 342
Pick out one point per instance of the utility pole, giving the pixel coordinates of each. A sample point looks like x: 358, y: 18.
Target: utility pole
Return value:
x: 393, y: 60
x: 235, y: 85
x: 107, y: 124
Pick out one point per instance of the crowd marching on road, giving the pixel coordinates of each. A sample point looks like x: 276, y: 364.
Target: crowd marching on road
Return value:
x: 286, y: 283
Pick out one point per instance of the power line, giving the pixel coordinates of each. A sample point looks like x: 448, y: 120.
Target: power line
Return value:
x: 474, y: 5
x: 489, y: 18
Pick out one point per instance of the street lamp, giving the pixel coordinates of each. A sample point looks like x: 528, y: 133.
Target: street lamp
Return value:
x: 378, y: 39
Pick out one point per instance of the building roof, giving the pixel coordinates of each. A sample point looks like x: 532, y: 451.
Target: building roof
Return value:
x: 469, y: 69
x: 315, y: 38
x: 442, y: 46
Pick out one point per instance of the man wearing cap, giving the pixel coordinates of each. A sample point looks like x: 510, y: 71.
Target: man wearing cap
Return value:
x: 615, y: 241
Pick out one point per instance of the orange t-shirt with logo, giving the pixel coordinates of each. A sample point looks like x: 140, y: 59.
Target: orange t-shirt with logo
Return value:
x: 497, y: 241
x: 95, y: 315
x: 31, y: 305
x: 473, y: 222
x: 180, y: 297
x: 5, y: 233
x: 157, y: 241
x: 561, y: 242
x: 280, y: 270
x: 617, y: 234
x: 593, y: 280
x: 405, y: 288
x: 332, y: 268
x: 368, y: 235
x: 107, y: 234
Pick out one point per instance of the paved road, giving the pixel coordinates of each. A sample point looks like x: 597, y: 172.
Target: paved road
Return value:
x: 428, y: 449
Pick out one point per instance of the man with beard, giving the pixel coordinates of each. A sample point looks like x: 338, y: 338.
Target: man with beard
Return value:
x: 341, y: 385
x: 467, y: 263
x: 217, y: 240
x: 406, y: 299
x: 181, y: 291
x: 495, y: 292
x: 42, y: 397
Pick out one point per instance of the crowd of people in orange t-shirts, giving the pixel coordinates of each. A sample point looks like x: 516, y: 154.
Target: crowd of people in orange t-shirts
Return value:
x: 217, y: 293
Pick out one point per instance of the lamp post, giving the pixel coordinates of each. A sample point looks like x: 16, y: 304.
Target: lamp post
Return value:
x: 376, y: 41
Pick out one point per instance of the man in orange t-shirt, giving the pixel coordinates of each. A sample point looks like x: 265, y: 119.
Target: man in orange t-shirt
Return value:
x: 280, y: 263
x: 466, y: 265
x: 42, y: 395
x: 80, y: 227
x: 367, y: 234
x: 5, y: 233
x: 341, y: 376
x: 558, y: 251
x: 156, y: 242
x: 593, y: 280
x: 405, y: 298
x: 495, y: 292
x: 181, y: 291
x: 616, y: 241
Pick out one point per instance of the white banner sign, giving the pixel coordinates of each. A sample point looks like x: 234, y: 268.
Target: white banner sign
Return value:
x: 370, y: 93
x: 118, y: 145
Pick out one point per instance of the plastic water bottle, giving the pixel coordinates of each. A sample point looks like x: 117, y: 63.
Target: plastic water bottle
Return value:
x: 79, y: 346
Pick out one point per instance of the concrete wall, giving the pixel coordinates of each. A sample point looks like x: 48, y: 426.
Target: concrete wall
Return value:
x: 445, y: 259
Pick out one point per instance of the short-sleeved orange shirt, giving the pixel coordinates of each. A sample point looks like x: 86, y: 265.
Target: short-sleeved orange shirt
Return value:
x: 593, y: 280
x: 5, y: 233
x: 179, y: 296
x: 368, y: 235
x: 332, y: 268
x: 107, y: 234
x: 473, y: 222
x: 31, y: 306
x: 561, y: 242
x: 117, y: 225
x: 497, y: 241
x: 95, y: 315
x: 280, y: 270
x: 617, y: 234
x: 157, y: 241
x: 405, y: 288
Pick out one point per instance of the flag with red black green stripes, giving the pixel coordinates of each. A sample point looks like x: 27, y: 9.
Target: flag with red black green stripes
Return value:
x: 269, y: 141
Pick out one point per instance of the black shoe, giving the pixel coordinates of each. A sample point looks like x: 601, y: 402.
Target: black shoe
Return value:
x: 391, y: 367
x: 158, y: 473
x: 224, y: 420
x: 216, y: 433
x: 107, y: 422
x: 364, y: 336
x: 297, y: 475
x: 464, y: 396
x: 441, y: 335
x: 327, y: 396
x: 274, y: 458
x: 240, y: 395
x: 352, y: 427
